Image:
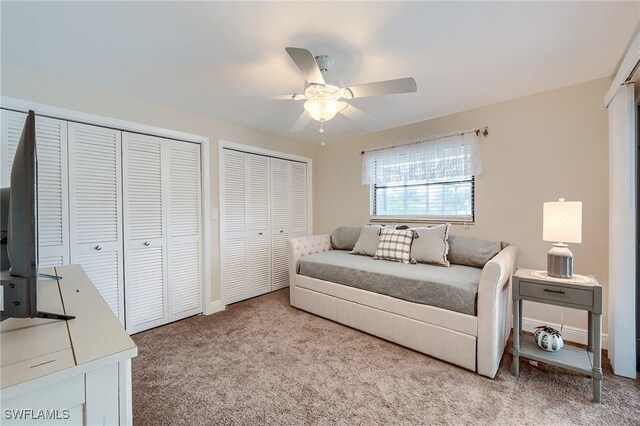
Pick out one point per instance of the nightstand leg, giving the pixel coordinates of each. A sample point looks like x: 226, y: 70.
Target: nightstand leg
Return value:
x: 590, y: 331
x: 516, y: 337
x: 597, y: 357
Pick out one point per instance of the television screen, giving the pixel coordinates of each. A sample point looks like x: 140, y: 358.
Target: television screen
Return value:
x: 19, y: 289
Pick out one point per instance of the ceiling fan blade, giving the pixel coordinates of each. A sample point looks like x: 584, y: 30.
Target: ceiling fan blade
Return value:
x: 270, y: 97
x: 301, y: 123
x: 306, y: 63
x: 389, y: 87
x: 361, y: 117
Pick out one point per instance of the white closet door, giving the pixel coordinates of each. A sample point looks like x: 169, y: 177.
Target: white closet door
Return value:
x: 53, y: 203
x: 246, y: 269
x: 184, y: 226
x: 298, y: 209
x: 280, y: 220
x: 234, y: 232
x: 144, y: 230
x: 12, y: 125
x: 95, y: 203
x: 259, y: 256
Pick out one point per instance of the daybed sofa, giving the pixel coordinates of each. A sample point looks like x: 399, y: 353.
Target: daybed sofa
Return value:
x: 469, y: 326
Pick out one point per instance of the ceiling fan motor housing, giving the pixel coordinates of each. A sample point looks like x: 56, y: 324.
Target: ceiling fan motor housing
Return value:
x: 325, y: 63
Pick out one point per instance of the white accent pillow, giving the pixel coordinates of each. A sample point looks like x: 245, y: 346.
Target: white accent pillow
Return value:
x: 430, y: 245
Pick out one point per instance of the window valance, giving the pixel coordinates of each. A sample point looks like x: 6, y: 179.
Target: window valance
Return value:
x: 445, y: 158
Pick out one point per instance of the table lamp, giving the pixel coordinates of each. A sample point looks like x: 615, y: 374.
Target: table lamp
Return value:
x: 562, y: 223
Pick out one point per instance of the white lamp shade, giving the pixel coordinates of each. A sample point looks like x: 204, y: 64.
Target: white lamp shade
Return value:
x: 562, y: 221
x: 324, y: 109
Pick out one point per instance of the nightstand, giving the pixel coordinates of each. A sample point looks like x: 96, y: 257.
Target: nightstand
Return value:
x: 582, y: 293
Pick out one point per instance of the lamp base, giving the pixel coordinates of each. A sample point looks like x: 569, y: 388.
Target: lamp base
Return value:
x: 560, y: 261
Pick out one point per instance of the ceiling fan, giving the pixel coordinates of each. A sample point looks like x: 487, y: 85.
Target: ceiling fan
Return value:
x: 325, y: 94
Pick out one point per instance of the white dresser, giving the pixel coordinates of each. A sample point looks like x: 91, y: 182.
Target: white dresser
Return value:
x: 75, y: 372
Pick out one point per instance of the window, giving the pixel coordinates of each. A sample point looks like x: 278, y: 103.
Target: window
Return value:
x: 451, y: 201
x: 427, y: 180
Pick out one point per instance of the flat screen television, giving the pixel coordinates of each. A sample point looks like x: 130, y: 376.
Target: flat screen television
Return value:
x: 19, y: 283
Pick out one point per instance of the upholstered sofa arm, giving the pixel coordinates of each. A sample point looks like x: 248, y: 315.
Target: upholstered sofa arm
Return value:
x: 302, y: 246
x: 494, y: 310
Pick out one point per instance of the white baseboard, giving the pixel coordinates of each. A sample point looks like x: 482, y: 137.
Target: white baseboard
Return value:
x: 213, y: 307
x: 570, y: 334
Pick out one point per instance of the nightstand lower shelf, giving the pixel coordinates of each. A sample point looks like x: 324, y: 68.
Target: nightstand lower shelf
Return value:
x: 569, y: 357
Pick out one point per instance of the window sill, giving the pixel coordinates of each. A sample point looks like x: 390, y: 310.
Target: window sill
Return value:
x: 419, y: 219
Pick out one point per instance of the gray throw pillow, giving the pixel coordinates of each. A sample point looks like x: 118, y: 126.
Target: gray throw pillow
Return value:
x: 471, y: 252
x: 367, y: 243
x: 345, y: 237
x: 430, y: 245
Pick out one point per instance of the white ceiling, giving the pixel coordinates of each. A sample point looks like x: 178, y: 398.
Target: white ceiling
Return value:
x: 202, y: 56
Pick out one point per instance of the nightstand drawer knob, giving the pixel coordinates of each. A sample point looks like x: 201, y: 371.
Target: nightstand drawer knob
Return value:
x: 548, y: 290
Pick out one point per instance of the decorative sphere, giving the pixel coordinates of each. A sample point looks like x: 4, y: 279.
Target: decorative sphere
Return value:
x: 548, y: 338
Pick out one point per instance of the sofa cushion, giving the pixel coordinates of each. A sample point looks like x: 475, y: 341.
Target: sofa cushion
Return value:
x: 471, y: 252
x: 345, y: 237
x: 368, y: 239
x: 430, y: 245
x: 395, y: 245
x: 453, y: 288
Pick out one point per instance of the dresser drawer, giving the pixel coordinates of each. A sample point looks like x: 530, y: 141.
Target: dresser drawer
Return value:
x: 559, y: 294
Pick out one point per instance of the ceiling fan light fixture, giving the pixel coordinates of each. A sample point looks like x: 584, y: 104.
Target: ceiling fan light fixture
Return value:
x: 324, y: 109
x: 298, y: 96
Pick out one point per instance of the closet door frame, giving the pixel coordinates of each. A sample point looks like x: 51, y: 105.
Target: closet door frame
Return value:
x: 224, y: 144
x: 209, y: 306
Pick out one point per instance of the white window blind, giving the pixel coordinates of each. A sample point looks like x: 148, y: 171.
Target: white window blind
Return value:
x: 432, y: 179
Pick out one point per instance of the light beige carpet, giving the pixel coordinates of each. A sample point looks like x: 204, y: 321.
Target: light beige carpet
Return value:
x: 263, y: 362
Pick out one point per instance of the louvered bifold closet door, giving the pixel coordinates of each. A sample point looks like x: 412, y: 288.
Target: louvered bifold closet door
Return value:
x: 280, y: 219
x: 53, y: 202
x: 259, y: 250
x: 12, y: 125
x: 144, y: 229
x: 234, y: 257
x: 95, y: 206
x: 298, y: 203
x: 184, y: 229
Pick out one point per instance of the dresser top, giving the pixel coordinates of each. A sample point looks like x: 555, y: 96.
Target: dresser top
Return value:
x: 33, y: 348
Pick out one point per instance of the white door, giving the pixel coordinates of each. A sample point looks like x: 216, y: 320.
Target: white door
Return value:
x: 53, y: 203
x: 258, y: 235
x: 144, y: 229
x: 298, y: 204
x: 95, y: 206
x: 233, y: 187
x: 280, y: 222
x: 184, y: 229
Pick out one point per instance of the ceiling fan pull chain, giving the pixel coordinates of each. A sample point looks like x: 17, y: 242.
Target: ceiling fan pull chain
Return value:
x: 322, y: 133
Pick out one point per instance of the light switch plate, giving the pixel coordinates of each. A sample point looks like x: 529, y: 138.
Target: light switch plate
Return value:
x: 214, y: 214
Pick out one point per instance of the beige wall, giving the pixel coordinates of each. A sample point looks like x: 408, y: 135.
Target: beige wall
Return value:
x: 540, y: 147
x: 50, y: 90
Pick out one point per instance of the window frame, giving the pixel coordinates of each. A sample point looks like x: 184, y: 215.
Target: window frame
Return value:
x: 424, y: 219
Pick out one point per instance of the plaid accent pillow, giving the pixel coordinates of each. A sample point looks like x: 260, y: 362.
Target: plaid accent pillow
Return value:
x: 395, y: 245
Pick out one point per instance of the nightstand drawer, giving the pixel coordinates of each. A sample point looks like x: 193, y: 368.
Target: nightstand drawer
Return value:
x: 559, y: 294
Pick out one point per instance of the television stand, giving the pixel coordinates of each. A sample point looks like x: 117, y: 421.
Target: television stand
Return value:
x: 49, y: 315
x: 79, y: 368
x: 42, y: 276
